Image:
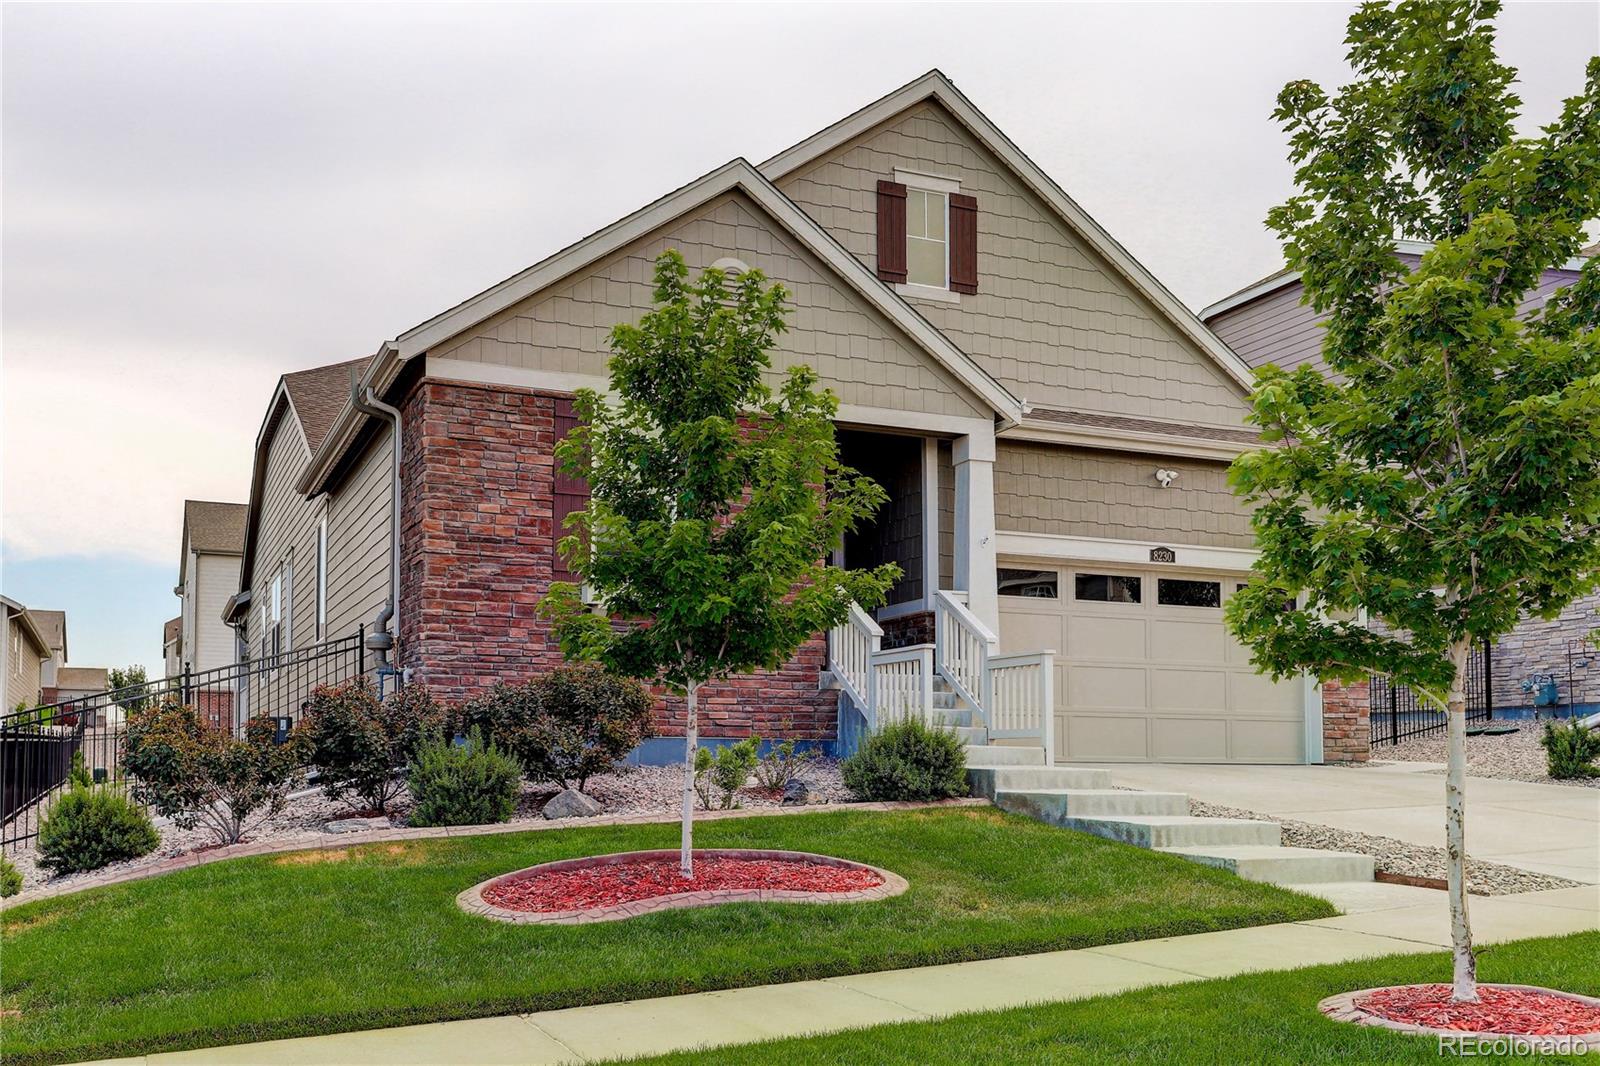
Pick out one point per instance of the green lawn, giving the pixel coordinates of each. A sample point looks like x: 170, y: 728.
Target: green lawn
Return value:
x: 317, y: 942
x: 1261, y: 1018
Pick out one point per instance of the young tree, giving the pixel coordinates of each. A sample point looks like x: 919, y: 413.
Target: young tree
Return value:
x: 713, y: 501
x: 1444, y: 476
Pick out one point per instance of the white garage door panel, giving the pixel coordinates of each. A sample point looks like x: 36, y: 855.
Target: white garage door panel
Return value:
x: 1146, y: 681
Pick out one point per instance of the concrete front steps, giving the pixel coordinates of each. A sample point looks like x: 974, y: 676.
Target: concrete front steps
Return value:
x: 1017, y: 779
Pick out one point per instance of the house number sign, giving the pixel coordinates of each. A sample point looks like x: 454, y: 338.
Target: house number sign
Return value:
x: 1163, y: 555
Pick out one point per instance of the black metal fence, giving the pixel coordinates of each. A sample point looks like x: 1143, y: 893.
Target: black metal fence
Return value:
x: 37, y: 745
x: 1398, y: 714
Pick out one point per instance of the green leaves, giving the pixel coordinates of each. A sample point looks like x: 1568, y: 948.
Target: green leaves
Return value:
x: 714, y: 498
x: 1445, y: 477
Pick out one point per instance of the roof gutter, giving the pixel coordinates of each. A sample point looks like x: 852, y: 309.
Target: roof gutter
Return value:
x: 387, y: 624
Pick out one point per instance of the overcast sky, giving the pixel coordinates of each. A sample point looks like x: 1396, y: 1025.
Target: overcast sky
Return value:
x: 200, y: 198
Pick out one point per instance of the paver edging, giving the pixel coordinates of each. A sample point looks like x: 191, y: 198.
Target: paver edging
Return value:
x: 1342, y: 1008
x: 472, y: 900
x: 331, y: 841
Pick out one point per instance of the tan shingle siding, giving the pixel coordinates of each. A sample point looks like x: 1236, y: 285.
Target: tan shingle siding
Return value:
x: 1041, y: 488
x: 1051, y: 320
x: 858, y: 353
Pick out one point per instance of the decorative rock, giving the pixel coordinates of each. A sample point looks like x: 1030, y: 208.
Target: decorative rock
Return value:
x: 570, y: 803
x: 796, y: 793
x: 356, y: 825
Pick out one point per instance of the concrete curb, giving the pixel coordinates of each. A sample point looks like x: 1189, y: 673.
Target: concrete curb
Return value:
x: 321, y: 841
x: 472, y: 900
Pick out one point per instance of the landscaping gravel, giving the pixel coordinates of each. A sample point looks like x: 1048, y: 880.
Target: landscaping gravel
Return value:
x: 1394, y: 856
x: 627, y: 790
x: 1512, y: 757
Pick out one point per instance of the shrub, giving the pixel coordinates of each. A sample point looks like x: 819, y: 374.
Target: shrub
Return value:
x: 908, y: 760
x: 780, y: 765
x: 87, y: 828
x: 79, y: 774
x: 10, y: 878
x: 719, y: 775
x: 199, y: 774
x: 567, y: 725
x: 470, y: 784
x: 1571, y: 750
x: 360, y: 743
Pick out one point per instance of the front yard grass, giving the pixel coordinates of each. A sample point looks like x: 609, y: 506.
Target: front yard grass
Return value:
x: 353, y: 938
x: 1258, y: 1018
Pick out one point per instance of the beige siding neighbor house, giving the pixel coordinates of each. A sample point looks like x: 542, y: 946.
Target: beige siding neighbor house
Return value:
x: 22, y: 657
x: 1052, y: 424
x: 208, y: 573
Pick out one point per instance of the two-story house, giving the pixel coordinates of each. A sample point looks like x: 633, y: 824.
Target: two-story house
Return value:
x: 1052, y: 425
x: 212, y: 543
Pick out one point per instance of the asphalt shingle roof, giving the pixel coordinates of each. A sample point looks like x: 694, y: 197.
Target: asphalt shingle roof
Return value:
x: 319, y: 394
x: 215, y: 527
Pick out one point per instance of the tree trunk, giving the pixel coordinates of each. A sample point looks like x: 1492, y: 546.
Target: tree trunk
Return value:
x: 1465, y: 988
x: 691, y: 742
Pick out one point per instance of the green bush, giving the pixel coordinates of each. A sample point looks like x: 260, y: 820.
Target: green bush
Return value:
x: 79, y: 774
x: 470, y: 784
x: 719, y: 776
x: 780, y: 765
x: 199, y: 774
x: 567, y: 725
x: 87, y: 828
x: 908, y: 760
x: 359, y: 743
x: 1571, y: 750
x: 10, y: 878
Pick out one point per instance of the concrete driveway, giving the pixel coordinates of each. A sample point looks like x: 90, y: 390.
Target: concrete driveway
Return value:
x: 1549, y: 829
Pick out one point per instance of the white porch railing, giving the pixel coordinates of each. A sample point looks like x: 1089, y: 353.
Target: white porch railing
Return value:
x: 1021, y: 698
x: 964, y: 645
x: 902, y: 683
x: 851, y: 647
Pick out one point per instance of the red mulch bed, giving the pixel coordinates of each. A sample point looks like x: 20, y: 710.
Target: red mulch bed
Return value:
x: 1508, y: 1011
x: 611, y: 884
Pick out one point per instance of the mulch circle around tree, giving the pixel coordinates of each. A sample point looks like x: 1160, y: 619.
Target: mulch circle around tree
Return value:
x: 610, y: 887
x: 1502, y: 1011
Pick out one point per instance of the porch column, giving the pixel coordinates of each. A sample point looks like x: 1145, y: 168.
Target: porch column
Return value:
x: 975, y: 541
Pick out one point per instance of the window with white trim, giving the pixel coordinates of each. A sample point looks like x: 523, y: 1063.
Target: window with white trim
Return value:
x: 322, y: 577
x: 927, y: 238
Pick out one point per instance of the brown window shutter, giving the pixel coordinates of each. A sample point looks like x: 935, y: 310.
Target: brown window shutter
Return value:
x: 571, y: 493
x: 963, y: 243
x: 891, y: 231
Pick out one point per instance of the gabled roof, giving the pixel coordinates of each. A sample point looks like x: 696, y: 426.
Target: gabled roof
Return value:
x: 20, y: 614
x: 934, y: 85
x: 171, y: 629
x: 52, y: 626
x: 317, y: 395
x: 82, y: 678
x: 739, y: 175
x: 214, y: 528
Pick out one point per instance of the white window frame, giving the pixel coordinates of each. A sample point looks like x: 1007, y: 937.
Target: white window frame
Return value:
x: 945, y: 187
x: 322, y: 576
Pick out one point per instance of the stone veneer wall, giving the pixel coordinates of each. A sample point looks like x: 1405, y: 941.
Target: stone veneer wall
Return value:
x: 477, y: 552
x: 1537, y: 646
x: 907, y: 630
x: 1346, y: 732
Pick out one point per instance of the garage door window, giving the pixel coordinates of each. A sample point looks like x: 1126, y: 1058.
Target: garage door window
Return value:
x: 1106, y: 588
x: 1030, y: 584
x: 1177, y: 592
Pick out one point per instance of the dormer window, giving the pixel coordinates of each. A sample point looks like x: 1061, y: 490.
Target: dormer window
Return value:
x: 927, y: 237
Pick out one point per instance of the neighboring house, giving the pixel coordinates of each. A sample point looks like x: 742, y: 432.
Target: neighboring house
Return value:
x: 208, y: 575
x: 172, y: 646
x: 1267, y: 322
x: 22, y: 657
x: 76, y: 682
x: 52, y: 625
x: 1052, y: 425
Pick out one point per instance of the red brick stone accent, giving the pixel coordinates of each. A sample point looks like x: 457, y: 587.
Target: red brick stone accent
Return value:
x: 908, y: 629
x: 476, y: 548
x: 1346, y: 730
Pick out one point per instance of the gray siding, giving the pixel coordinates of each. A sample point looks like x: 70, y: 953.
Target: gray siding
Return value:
x: 358, y: 541
x: 858, y: 353
x: 1051, y: 320
x: 1041, y: 488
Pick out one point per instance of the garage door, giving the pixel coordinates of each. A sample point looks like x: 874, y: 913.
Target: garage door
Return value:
x: 1145, y: 669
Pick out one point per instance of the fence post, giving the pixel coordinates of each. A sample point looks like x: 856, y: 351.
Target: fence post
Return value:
x: 1394, y: 713
x: 361, y: 648
x: 1488, y: 680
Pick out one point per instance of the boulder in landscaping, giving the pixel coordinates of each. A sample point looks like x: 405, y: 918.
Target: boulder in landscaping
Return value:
x: 570, y: 803
x: 797, y: 793
x: 356, y: 825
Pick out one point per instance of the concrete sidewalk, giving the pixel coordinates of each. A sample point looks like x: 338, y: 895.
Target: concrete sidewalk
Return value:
x: 1380, y: 919
x: 1548, y: 829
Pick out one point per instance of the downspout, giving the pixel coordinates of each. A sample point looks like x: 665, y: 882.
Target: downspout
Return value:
x: 387, y: 624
